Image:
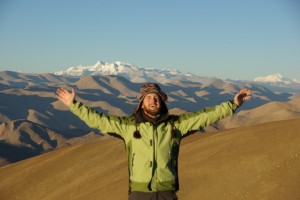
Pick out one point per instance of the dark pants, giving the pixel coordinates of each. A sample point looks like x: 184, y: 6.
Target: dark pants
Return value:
x: 168, y: 195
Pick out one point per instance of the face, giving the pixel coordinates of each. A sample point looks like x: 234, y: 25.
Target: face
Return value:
x: 151, y: 104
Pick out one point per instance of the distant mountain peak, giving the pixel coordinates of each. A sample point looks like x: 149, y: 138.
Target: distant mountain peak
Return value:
x: 131, y: 72
x: 274, y: 78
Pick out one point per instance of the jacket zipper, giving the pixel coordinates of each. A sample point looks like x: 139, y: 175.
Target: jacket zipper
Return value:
x: 155, y: 142
x: 132, y: 161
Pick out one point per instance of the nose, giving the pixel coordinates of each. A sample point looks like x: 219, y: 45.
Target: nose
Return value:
x: 152, y: 101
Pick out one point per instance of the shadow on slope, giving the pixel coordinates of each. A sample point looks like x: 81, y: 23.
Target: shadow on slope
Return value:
x: 22, y: 139
x: 12, y: 153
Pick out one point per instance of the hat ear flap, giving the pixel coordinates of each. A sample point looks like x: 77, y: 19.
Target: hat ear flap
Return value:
x: 163, y: 96
x: 138, y: 107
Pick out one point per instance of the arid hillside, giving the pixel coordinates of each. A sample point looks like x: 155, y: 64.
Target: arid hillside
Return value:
x: 258, y: 162
x: 33, y: 121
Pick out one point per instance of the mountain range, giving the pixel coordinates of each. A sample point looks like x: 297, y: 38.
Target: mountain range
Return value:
x: 129, y: 71
x: 276, y: 81
x: 63, y: 158
x: 33, y: 121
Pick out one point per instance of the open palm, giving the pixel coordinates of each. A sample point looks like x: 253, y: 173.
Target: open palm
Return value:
x: 65, y: 96
x: 242, y: 96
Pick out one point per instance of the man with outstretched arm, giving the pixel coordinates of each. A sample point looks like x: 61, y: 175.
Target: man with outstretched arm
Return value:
x: 152, y: 136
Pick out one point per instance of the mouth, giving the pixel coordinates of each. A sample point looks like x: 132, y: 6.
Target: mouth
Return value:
x: 153, y: 107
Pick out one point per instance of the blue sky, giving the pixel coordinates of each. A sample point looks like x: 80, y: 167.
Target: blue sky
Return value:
x: 225, y: 39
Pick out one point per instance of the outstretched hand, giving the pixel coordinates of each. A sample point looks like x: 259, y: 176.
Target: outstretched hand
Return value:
x: 65, y: 96
x: 242, y: 96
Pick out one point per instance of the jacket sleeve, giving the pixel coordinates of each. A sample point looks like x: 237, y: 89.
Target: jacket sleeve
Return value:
x: 107, y: 124
x: 191, y: 122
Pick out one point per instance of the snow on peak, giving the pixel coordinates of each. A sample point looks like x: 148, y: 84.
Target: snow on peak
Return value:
x: 295, y: 80
x: 129, y: 71
x: 273, y: 78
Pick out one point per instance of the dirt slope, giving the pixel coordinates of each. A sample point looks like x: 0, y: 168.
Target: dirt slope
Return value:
x: 257, y: 162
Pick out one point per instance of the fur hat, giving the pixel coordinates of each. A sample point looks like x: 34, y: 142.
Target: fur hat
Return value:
x: 150, y: 88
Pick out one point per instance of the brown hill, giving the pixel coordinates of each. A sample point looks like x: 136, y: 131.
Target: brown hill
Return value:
x: 272, y: 111
x: 48, y: 124
x: 28, y: 80
x: 22, y: 139
x: 111, y: 85
x: 257, y: 162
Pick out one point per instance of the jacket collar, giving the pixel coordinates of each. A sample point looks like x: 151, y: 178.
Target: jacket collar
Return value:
x: 140, y: 117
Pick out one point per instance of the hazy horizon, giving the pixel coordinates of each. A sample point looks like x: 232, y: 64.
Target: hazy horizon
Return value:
x: 224, y: 39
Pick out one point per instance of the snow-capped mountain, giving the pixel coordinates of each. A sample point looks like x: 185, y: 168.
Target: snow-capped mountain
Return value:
x: 275, y: 82
x: 133, y: 73
x: 275, y: 78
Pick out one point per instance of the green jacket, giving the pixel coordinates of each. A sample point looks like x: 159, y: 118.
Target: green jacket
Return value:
x: 152, y: 157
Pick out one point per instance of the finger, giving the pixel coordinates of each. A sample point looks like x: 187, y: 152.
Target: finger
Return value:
x: 73, y: 92
x: 246, y: 91
x: 60, y: 92
x: 246, y: 98
x: 59, y: 98
x: 63, y: 90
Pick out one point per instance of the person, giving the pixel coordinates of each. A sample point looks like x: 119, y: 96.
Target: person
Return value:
x: 152, y: 136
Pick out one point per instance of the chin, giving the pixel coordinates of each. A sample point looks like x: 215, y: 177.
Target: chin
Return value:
x: 153, y: 112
